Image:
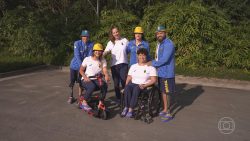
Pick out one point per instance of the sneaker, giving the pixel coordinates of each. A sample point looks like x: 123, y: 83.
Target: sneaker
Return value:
x: 86, y: 107
x: 162, y: 113
x: 124, y: 112
x: 166, y: 118
x: 71, y: 100
x: 129, y: 115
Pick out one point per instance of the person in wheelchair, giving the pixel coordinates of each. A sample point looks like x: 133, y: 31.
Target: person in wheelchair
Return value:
x: 93, y: 69
x: 140, y: 76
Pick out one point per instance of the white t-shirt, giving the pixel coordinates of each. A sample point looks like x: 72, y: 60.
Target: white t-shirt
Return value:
x: 118, y: 51
x: 93, y: 67
x: 141, y: 74
x: 156, y: 53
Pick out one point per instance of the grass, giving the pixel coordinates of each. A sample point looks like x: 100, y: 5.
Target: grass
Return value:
x: 12, y: 63
x: 225, y: 73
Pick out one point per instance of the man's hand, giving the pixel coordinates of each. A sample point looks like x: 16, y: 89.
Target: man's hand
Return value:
x: 149, y: 63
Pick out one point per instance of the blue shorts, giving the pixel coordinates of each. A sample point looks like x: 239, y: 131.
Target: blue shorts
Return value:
x: 166, y: 85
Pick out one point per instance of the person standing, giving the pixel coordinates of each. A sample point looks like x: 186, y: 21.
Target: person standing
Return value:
x: 165, y: 64
x: 119, y: 60
x: 82, y: 49
x: 137, y: 43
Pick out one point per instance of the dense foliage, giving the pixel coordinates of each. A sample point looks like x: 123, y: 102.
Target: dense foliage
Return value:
x: 208, y: 33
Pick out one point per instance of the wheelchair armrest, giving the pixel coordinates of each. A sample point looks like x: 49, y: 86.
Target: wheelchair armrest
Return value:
x: 150, y: 87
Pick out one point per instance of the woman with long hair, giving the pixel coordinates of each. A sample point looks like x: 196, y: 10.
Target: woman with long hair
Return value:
x: 92, y: 70
x: 119, y: 60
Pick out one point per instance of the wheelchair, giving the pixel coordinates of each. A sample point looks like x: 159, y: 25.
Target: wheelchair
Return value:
x: 148, y: 104
x: 99, y: 111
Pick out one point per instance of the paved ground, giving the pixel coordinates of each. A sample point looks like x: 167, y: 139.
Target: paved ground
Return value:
x: 33, y: 108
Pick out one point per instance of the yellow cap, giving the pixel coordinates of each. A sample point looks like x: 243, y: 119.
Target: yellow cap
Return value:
x: 98, y: 46
x: 138, y: 29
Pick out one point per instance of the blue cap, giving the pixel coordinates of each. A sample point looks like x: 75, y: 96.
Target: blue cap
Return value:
x: 85, y: 33
x: 161, y: 28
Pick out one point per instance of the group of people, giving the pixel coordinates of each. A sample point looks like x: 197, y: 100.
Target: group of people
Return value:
x: 134, y: 74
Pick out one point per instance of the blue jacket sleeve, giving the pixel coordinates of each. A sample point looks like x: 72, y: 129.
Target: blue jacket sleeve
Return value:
x: 77, y: 54
x: 128, y: 49
x: 91, y: 49
x: 167, y: 52
x: 148, y: 49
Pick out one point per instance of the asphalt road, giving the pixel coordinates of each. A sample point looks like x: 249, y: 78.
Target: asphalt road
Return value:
x: 33, y: 107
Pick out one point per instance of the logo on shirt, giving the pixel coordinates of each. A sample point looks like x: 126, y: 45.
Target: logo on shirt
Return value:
x: 90, y: 64
x: 145, y: 71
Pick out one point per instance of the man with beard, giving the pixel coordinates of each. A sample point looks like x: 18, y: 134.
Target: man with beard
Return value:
x: 165, y: 64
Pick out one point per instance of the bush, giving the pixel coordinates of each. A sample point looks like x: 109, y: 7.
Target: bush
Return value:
x: 202, y: 35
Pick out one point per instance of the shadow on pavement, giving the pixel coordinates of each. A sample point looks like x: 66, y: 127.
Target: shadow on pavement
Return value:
x: 113, y: 107
x: 184, y: 97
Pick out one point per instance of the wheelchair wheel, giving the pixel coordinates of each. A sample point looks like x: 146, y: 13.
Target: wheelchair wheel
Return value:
x: 137, y: 115
x: 154, y: 102
x: 140, y: 108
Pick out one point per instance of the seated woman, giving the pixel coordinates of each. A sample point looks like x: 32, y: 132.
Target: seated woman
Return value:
x: 92, y: 70
x: 140, y: 76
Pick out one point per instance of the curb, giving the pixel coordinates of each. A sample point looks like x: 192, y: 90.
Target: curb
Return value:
x: 28, y: 70
x: 211, y: 82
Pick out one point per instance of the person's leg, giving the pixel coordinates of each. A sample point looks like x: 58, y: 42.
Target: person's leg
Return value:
x: 133, y: 101
x: 116, y: 79
x: 161, y: 83
x: 135, y: 93
x: 79, y: 76
x: 169, y: 90
x: 73, y: 79
x: 127, y: 98
x: 128, y: 94
x: 89, y: 87
x: 104, y: 89
x: 123, y: 70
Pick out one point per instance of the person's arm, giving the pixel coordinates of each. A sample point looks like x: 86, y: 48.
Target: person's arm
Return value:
x: 82, y: 69
x: 106, y: 74
x: 129, y: 78
x: 128, y: 49
x: 108, y: 48
x: 148, y: 49
x: 152, y: 81
x: 77, y: 54
x: 90, y: 50
x: 167, y: 52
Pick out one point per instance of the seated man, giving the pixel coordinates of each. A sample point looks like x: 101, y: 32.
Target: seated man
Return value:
x: 95, y: 66
x: 140, y: 76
